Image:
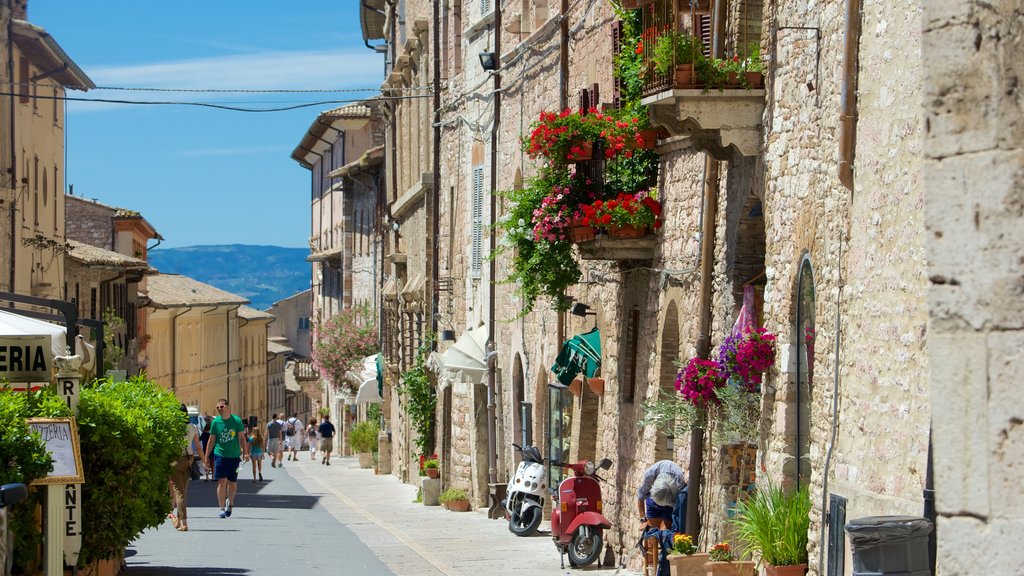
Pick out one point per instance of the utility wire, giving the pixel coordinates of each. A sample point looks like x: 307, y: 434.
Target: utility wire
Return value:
x: 212, y: 105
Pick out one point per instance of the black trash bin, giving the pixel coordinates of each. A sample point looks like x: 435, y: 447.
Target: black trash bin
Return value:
x: 890, y: 545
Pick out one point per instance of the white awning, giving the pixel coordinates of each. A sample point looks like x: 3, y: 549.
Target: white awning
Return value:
x: 465, y: 360
x: 12, y: 324
x: 363, y: 371
x: 368, y: 393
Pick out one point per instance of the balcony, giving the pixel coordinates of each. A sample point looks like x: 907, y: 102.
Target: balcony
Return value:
x: 718, y: 103
x: 715, y: 120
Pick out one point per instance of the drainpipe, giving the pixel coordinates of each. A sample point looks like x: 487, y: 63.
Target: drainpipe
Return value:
x: 848, y: 94
x: 563, y: 66
x: 174, y: 348
x: 435, y: 206
x: 14, y: 156
x: 492, y: 440
x: 707, y: 264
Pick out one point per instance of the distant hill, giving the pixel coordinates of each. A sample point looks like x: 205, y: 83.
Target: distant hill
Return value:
x: 263, y: 274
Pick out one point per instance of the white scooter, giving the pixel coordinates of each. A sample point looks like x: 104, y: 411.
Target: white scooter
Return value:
x: 524, y: 499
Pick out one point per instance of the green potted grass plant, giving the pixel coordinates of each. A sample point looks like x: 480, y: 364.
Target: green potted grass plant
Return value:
x: 455, y: 499
x: 773, y: 524
x: 363, y: 440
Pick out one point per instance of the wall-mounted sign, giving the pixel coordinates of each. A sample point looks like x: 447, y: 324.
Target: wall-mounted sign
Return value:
x: 61, y: 437
x: 25, y: 358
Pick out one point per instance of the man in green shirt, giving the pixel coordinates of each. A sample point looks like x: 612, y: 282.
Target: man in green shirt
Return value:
x: 227, y: 443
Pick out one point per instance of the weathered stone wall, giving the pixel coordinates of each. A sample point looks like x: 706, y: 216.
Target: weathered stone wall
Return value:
x: 89, y: 222
x: 866, y: 249
x: 974, y: 150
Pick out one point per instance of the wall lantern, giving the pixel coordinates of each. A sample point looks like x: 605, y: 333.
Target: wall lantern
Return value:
x: 488, y: 60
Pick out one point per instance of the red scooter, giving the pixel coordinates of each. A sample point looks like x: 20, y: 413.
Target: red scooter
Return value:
x: 576, y: 519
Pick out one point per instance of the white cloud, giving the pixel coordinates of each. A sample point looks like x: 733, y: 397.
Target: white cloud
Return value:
x: 267, y: 71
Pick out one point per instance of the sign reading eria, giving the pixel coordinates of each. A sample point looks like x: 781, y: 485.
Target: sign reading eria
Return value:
x: 25, y: 358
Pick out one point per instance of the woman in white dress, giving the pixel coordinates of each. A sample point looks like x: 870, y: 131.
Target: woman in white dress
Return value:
x: 312, y: 438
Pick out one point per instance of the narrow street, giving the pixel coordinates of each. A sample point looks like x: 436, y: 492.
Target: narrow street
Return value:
x: 309, y: 519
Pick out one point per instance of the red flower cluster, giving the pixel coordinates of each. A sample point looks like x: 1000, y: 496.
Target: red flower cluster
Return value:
x: 425, y: 458
x: 698, y: 380
x: 640, y: 210
x: 559, y: 137
x: 754, y: 355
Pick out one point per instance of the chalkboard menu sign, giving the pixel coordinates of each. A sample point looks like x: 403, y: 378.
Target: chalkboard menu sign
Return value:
x: 61, y: 437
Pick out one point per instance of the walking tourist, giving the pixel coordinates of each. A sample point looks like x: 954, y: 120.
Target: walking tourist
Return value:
x: 326, y: 430
x: 256, y: 452
x: 275, y: 438
x: 181, y: 474
x: 293, y: 436
x: 312, y: 438
x: 228, y: 447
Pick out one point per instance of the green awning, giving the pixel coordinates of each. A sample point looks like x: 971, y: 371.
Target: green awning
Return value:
x: 581, y: 353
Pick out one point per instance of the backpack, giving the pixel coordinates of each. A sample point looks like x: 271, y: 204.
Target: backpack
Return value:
x: 290, y: 431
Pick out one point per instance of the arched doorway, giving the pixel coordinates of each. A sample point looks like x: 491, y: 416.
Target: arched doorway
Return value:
x: 804, y: 337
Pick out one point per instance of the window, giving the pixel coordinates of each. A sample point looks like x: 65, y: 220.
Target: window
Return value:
x: 485, y: 7
x: 477, y: 222
x: 303, y: 323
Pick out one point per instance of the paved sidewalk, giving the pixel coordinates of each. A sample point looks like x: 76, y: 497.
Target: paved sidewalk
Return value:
x: 416, y: 540
x: 307, y: 518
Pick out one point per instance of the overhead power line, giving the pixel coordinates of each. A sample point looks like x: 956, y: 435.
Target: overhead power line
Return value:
x: 214, y: 105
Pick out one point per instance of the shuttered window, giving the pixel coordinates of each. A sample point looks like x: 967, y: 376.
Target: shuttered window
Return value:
x: 477, y: 223
x: 485, y: 7
x: 628, y: 375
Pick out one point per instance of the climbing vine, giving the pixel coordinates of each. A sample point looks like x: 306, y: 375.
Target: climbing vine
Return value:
x: 420, y: 396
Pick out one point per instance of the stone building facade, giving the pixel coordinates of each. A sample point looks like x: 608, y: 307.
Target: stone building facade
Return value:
x: 809, y: 194
x: 32, y: 171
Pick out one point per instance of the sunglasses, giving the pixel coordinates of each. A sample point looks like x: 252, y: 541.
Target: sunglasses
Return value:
x: 221, y: 406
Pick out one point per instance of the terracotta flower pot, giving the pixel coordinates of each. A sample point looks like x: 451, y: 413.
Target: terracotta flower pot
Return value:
x: 580, y: 151
x: 626, y: 231
x: 647, y: 139
x: 596, y: 385
x: 687, y: 565
x: 734, y: 568
x: 795, y: 570
x: 732, y: 79
x: 582, y: 233
x: 458, y: 505
x: 684, y: 76
x: 576, y: 386
x: 432, y: 472
x: 630, y: 4
x: 754, y: 79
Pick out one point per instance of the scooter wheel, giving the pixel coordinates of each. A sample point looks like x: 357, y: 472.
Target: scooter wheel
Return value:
x: 585, y: 547
x: 525, y: 522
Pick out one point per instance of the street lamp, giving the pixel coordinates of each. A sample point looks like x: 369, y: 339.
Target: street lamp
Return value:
x: 488, y: 60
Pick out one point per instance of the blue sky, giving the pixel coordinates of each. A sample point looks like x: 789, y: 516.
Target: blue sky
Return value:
x: 204, y: 176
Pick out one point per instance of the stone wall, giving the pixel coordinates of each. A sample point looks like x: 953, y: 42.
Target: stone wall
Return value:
x: 974, y: 150
x: 89, y: 222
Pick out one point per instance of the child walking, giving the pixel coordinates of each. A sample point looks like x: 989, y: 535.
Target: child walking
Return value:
x: 312, y: 438
x: 256, y: 453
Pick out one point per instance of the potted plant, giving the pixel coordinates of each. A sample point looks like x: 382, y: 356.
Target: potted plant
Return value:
x: 568, y: 136
x: 753, y: 67
x: 699, y: 381
x: 363, y: 440
x: 684, y: 560
x: 676, y: 52
x: 773, y: 524
x: 431, y: 467
x: 626, y: 215
x: 723, y: 563
x: 455, y: 499
x: 744, y: 358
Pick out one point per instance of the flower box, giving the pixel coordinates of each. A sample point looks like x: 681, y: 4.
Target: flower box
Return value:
x: 581, y: 152
x: 626, y: 231
x: 687, y: 564
x: 608, y: 248
x: 457, y: 505
x: 734, y: 568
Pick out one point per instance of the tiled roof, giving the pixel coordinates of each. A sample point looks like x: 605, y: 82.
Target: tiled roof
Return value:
x: 250, y: 313
x: 349, y: 111
x: 277, y: 348
x: 96, y: 256
x: 175, y: 291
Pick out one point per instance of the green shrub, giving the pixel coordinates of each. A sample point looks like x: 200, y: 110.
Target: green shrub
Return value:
x: 23, y: 458
x: 430, y: 464
x: 774, y: 524
x: 363, y: 437
x: 131, y: 433
x: 453, y: 495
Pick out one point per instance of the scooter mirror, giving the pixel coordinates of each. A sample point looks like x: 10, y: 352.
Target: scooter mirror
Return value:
x: 11, y: 493
x: 605, y: 464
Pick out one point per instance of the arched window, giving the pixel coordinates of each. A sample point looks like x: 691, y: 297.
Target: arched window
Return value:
x: 804, y: 339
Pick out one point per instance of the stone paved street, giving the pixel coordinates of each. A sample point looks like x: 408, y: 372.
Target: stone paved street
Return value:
x: 308, y: 518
